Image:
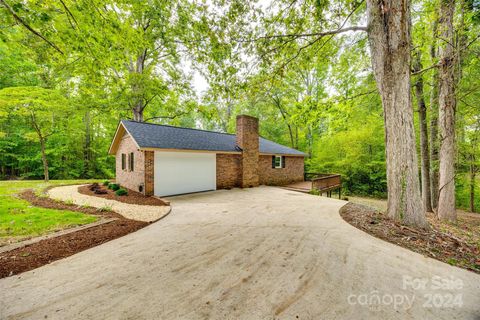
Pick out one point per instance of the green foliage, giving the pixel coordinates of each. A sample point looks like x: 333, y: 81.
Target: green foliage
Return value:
x: 462, y: 192
x: 106, y: 183
x: 114, y: 186
x: 312, y: 93
x: 121, y: 192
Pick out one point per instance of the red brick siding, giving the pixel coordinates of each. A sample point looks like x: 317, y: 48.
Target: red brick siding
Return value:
x: 292, y: 172
x: 229, y: 170
x: 149, y: 172
x: 247, y: 139
x: 126, y: 178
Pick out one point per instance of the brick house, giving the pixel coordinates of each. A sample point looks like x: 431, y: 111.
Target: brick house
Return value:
x: 164, y: 160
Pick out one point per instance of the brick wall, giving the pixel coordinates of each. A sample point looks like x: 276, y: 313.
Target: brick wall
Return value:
x: 247, y: 139
x: 229, y: 173
x: 292, y: 172
x: 126, y: 178
x: 149, y: 172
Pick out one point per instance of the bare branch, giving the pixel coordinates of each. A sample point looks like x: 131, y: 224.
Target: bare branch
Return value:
x: 417, y: 72
x: 28, y: 27
x: 69, y: 14
x: 307, y: 35
x: 166, y: 117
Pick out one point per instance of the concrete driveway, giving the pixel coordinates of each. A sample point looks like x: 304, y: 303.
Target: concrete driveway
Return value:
x: 262, y: 253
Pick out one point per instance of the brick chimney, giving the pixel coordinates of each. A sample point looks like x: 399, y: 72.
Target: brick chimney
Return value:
x: 247, y: 140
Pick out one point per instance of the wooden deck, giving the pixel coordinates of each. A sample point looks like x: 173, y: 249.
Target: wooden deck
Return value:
x: 324, y: 183
x: 303, y: 186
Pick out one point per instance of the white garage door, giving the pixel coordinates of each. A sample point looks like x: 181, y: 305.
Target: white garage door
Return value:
x: 184, y: 172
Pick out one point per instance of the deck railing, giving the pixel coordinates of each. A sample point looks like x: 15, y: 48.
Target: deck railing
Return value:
x: 324, y: 182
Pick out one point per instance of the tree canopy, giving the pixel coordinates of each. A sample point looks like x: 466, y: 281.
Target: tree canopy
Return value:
x: 70, y: 70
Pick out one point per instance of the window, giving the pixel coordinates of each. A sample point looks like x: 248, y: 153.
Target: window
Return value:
x: 131, y: 162
x: 278, y: 162
x: 124, y: 161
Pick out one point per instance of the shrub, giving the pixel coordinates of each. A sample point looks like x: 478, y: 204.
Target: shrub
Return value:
x: 106, y: 183
x: 121, y: 192
x: 105, y: 209
x: 114, y: 186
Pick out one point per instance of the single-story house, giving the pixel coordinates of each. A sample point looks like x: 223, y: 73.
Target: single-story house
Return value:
x: 163, y: 160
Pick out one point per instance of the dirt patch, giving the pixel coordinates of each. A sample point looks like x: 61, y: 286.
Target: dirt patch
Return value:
x: 437, y: 242
x: 133, y: 197
x: 46, y: 251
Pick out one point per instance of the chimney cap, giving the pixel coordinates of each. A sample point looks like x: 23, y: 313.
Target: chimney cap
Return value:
x: 246, y: 116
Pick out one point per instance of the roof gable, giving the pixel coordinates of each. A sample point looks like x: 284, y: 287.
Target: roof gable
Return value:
x: 155, y: 136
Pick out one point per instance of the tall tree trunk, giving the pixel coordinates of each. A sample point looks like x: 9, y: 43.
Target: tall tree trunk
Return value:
x: 389, y: 38
x: 278, y: 104
x: 434, y: 124
x: 87, y: 146
x: 138, y: 111
x: 472, y: 183
x: 447, y: 106
x: 309, y: 140
x: 138, y: 86
x: 422, y: 117
x: 42, y: 138
x: 44, y: 159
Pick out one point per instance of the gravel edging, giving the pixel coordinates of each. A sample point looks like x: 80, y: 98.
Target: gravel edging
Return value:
x: 144, y: 213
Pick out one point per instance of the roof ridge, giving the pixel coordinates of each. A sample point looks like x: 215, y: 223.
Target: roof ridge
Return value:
x: 270, y: 145
x: 176, y: 127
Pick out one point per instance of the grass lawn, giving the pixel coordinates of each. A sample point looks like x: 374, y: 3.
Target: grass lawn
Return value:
x: 19, y: 220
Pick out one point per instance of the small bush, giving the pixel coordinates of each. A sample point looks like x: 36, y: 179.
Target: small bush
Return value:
x: 106, y: 183
x: 114, y: 186
x: 121, y: 192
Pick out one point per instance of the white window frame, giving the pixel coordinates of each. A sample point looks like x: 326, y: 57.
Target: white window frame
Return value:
x: 279, y: 165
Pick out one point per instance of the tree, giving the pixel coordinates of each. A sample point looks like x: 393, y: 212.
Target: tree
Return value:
x: 447, y: 106
x: 434, y: 118
x: 389, y: 36
x: 424, y: 150
x: 36, y: 105
x: 390, y: 43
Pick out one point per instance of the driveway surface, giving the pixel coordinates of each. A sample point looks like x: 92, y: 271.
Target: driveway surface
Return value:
x: 261, y: 253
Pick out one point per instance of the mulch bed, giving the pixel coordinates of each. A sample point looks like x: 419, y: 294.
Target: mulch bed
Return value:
x: 132, y: 197
x: 432, y: 243
x: 46, y: 251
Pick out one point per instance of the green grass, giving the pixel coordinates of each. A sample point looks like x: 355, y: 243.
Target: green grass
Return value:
x: 18, y: 219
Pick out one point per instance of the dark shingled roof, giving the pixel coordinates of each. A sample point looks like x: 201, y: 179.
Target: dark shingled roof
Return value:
x: 149, y: 135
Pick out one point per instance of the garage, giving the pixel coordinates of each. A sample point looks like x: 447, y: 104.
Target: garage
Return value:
x: 183, y: 172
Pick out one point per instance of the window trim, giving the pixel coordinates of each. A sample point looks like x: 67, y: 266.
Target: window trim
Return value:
x: 131, y: 162
x: 124, y: 161
x: 280, y: 162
